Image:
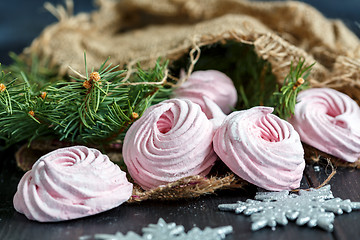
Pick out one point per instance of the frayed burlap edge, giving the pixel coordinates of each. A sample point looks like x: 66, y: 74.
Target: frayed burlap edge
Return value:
x: 188, y: 187
x: 269, y: 46
x: 345, y: 77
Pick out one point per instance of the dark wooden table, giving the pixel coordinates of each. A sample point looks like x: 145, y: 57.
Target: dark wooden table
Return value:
x: 200, y: 212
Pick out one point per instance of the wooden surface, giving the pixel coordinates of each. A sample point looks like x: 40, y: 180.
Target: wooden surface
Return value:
x: 200, y: 212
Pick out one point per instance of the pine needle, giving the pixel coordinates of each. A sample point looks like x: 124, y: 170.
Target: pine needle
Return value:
x: 78, y: 110
x: 294, y: 82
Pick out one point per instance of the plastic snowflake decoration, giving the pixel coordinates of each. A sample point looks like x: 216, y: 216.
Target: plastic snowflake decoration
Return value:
x: 314, y: 207
x: 166, y: 231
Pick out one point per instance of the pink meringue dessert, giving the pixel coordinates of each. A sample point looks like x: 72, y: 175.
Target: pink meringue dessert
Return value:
x: 171, y: 140
x: 261, y: 148
x: 71, y: 183
x: 212, y: 84
x: 329, y: 121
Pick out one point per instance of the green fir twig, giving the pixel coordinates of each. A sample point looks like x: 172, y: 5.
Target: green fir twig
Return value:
x: 294, y: 82
x: 38, y: 71
x: 16, y: 104
x: 94, y: 109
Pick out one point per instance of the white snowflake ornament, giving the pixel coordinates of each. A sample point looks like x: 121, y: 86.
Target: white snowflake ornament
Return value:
x: 315, y: 207
x: 166, y: 231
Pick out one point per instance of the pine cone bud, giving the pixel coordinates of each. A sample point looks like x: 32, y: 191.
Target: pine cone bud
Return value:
x: 87, y: 84
x: 95, y: 76
x: 2, y: 87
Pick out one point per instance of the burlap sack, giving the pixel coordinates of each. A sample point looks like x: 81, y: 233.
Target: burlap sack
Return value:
x: 132, y: 31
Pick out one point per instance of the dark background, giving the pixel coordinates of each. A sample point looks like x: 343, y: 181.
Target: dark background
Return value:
x: 21, y: 20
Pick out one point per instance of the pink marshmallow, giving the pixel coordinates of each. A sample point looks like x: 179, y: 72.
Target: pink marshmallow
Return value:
x: 71, y: 183
x: 261, y: 148
x: 329, y: 121
x: 212, y: 84
x: 171, y: 140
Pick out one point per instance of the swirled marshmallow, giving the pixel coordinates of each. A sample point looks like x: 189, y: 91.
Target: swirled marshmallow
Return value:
x: 212, y: 84
x: 261, y: 148
x: 71, y: 183
x: 329, y: 121
x: 171, y: 140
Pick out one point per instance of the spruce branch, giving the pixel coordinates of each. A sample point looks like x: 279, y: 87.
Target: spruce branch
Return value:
x: 17, y: 105
x: 37, y: 70
x: 294, y: 82
x: 98, y: 107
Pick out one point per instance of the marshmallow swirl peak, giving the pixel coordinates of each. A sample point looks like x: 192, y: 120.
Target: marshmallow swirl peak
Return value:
x: 211, y: 84
x: 171, y: 140
x: 329, y: 121
x: 71, y: 183
x: 261, y: 148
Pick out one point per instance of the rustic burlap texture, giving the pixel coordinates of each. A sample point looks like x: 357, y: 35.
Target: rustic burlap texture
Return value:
x: 132, y: 31
x: 142, y: 30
